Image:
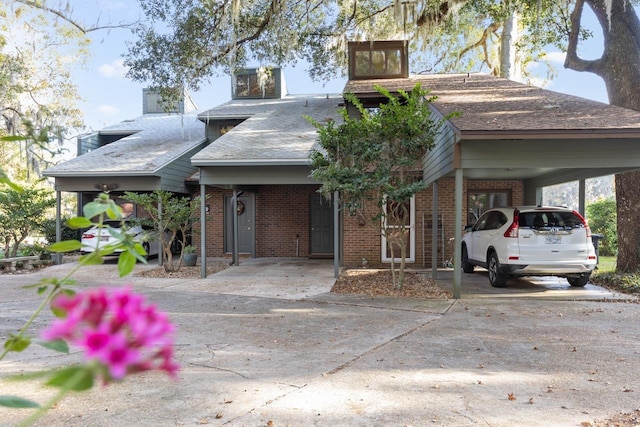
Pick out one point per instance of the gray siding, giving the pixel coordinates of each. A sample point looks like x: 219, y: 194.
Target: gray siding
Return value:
x: 551, y: 154
x: 255, y: 175
x: 439, y: 162
x: 173, y: 176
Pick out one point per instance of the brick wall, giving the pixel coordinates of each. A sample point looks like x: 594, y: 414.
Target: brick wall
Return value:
x: 365, y: 242
x: 282, y: 216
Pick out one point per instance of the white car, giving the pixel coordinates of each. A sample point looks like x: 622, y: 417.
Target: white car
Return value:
x: 530, y: 241
x: 100, y: 236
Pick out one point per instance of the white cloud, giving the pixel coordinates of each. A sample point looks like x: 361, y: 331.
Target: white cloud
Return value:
x: 114, y: 70
x: 556, y: 57
x: 108, y: 110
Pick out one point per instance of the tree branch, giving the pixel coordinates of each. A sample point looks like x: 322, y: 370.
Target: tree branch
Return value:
x: 84, y: 30
x: 572, y: 60
x: 491, y: 29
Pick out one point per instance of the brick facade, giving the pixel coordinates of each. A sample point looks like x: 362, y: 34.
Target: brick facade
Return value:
x: 281, y: 220
x: 282, y: 225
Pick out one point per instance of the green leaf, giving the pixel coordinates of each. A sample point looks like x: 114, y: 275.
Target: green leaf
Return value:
x: 79, y: 222
x: 66, y: 246
x: 60, y: 346
x: 13, y: 138
x: 126, y: 263
x: 76, y: 378
x: 17, y: 402
x: 17, y: 343
x: 92, y: 258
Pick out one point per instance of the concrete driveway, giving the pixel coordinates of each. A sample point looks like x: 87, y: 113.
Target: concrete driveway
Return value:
x: 265, y: 343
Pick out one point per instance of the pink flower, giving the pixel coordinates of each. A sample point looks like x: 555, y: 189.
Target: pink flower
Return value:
x: 117, y: 329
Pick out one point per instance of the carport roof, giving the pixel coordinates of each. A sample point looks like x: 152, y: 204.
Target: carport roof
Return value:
x: 154, y: 141
x: 498, y: 108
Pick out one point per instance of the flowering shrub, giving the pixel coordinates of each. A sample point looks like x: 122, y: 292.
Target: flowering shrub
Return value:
x: 117, y: 329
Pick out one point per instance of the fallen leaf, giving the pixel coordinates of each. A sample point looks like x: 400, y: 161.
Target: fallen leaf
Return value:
x: 511, y: 396
x: 219, y: 415
x: 531, y: 401
x: 204, y: 421
x: 270, y: 423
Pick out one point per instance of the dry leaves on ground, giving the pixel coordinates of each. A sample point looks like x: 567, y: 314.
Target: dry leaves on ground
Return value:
x: 379, y: 283
x: 184, y: 272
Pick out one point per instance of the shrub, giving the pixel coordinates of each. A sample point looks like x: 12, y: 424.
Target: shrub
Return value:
x: 602, y: 220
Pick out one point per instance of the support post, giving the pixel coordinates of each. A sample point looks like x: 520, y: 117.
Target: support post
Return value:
x: 336, y: 234
x: 434, y: 232
x: 236, y: 252
x: 203, y: 231
x: 582, y: 208
x: 457, y: 246
x: 58, y: 255
x: 161, y: 248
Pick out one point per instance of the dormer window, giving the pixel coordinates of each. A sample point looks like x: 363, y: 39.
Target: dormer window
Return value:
x: 258, y: 83
x: 378, y: 60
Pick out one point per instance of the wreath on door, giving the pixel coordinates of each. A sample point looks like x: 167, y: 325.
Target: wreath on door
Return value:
x: 240, y: 209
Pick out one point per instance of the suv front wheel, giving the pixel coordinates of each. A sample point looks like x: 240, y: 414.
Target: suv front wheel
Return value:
x: 467, y: 267
x: 496, y: 277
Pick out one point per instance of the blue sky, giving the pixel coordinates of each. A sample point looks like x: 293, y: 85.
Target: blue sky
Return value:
x: 110, y: 98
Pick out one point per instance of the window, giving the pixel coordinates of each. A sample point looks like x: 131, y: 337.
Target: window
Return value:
x: 378, y: 59
x: 409, y: 209
x: 258, y: 83
x: 481, y: 201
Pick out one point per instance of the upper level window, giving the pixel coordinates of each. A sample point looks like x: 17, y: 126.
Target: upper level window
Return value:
x: 257, y: 83
x: 378, y: 60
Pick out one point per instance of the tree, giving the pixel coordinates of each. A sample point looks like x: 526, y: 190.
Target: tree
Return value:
x: 374, y: 162
x: 171, y: 217
x: 22, y: 213
x: 40, y: 44
x: 619, y: 67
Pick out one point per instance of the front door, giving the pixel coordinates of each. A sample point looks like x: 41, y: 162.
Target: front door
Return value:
x: 246, y: 231
x: 321, y: 239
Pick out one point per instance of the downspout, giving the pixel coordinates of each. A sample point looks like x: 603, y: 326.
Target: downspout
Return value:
x: 203, y: 232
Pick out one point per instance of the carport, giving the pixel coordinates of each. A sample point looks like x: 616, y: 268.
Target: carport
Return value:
x: 506, y: 130
x: 151, y: 152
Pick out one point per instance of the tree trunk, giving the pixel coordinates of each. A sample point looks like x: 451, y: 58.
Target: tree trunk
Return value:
x: 619, y: 67
x: 508, y: 64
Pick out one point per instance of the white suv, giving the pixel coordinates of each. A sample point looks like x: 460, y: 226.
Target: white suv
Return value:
x: 530, y: 241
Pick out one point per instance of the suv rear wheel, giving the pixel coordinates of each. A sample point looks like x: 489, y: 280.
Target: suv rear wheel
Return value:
x: 496, y: 277
x: 578, y: 282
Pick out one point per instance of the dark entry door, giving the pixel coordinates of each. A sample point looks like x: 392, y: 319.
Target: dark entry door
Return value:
x: 321, y: 239
x: 246, y: 232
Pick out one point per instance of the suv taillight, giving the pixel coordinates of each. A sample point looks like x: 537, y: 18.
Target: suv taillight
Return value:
x: 584, y: 223
x: 512, y: 231
x: 88, y: 236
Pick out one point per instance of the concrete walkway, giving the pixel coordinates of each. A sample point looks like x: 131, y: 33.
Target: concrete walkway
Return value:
x: 266, y: 342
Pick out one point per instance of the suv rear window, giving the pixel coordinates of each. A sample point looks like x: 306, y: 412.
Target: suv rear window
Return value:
x: 542, y: 219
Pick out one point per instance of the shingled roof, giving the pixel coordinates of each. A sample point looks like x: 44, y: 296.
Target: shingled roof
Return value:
x: 274, y: 132
x: 504, y: 108
x: 155, y: 140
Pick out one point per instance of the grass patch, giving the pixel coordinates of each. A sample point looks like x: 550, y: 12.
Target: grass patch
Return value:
x: 605, y: 275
